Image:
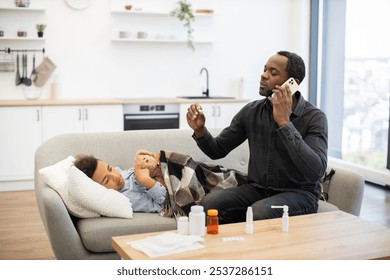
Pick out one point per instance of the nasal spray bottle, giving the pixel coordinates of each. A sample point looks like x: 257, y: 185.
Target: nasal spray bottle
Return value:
x: 249, y: 221
x: 284, y: 217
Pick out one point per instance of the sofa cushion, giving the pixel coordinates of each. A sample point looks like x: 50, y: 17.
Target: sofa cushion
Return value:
x: 324, y: 206
x: 96, y: 233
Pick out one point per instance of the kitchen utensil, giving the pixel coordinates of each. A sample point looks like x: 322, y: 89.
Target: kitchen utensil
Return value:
x: 22, y: 78
x: 18, y: 79
x: 33, y: 75
x: 25, y: 80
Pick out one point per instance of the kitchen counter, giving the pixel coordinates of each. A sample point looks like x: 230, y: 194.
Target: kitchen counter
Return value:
x: 62, y: 102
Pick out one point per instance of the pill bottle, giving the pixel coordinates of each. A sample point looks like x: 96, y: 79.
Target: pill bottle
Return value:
x: 212, y: 221
x: 182, y: 225
x: 197, y: 219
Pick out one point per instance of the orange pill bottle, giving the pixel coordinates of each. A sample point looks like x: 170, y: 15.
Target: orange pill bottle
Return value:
x: 212, y: 221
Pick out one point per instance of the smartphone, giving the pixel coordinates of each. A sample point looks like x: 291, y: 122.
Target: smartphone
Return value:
x: 292, y: 84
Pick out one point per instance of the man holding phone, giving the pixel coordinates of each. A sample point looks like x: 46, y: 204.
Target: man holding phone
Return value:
x: 288, y: 142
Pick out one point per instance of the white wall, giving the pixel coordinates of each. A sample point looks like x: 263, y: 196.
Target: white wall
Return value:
x: 89, y: 65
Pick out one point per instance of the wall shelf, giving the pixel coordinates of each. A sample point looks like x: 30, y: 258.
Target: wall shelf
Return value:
x: 21, y: 39
x: 31, y: 16
x: 154, y: 13
x: 124, y: 12
x: 159, y: 24
x: 160, y: 41
x: 5, y: 8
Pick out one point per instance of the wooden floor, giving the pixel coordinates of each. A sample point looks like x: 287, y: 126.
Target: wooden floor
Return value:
x: 23, y: 237
x: 376, y: 204
x: 22, y: 234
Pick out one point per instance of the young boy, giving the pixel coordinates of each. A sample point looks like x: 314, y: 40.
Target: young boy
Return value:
x: 145, y: 194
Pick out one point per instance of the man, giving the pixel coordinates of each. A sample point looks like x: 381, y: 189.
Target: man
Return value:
x: 287, y: 139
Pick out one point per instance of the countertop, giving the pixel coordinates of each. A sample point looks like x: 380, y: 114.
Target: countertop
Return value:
x: 119, y: 101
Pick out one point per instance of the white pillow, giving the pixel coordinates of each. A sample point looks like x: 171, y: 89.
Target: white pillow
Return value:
x: 56, y: 176
x: 96, y: 197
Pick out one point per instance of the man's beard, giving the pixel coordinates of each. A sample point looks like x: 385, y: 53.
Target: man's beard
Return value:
x: 265, y: 92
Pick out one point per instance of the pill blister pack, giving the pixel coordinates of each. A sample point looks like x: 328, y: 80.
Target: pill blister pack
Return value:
x: 233, y: 238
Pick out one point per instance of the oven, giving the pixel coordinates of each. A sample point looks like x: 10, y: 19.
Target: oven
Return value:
x: 151, y: 116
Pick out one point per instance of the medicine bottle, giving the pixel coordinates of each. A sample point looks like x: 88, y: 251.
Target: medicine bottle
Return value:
x: 212, y: 221
x: 182, y: 225
x: 197, y: 220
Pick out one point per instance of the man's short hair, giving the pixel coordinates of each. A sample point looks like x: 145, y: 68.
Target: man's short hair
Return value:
x: 295, y: 65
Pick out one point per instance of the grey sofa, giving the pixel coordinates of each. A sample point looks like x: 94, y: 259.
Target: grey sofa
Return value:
x: 73, y: 238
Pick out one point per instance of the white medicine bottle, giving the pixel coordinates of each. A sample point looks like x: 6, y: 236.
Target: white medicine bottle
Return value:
x: 182, y: 225
x: 197, y: 219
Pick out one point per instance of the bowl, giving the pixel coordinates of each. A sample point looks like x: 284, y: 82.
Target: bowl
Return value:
x: 31, y: 93
x: 22, y: 33
x: 128, y: 7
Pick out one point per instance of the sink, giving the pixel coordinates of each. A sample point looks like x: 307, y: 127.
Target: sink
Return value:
x: 206, y: 97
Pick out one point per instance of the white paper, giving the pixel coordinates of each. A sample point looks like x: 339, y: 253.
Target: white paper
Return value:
x: 167, y: 243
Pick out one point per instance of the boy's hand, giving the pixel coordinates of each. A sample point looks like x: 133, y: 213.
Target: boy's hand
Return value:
x: 143, y: 176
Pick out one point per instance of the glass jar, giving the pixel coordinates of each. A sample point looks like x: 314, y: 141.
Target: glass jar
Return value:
x: 212, y: 221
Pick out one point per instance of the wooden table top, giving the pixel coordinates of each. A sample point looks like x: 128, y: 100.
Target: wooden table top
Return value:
x: 329, y: 235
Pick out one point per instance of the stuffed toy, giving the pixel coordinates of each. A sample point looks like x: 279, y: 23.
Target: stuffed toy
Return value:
x: 151, y: 161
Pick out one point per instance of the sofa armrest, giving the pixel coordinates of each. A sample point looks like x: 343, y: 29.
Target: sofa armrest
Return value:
x: 346, y: 189
x: 59, y: 225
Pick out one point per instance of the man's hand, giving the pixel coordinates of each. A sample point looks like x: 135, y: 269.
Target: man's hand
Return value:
x: 196, y: 119
x: 281, y: 101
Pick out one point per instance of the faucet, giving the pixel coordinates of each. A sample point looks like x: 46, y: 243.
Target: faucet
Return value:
x: 206, y: 93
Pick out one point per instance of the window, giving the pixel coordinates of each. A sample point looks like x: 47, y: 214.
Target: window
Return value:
x: 350, y: 50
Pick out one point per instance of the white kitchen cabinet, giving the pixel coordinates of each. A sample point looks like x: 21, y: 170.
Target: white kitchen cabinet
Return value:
x: 24, y: 128
x: 103, y: 118
x: 61, y: 120
x: 21, y: 134
x: 91, y: 118
x: 218, y: 115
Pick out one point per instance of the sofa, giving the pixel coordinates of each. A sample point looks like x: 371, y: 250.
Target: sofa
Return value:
x: 76, y: 238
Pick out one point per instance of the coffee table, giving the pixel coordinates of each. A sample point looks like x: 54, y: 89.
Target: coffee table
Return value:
x: 329, y: 235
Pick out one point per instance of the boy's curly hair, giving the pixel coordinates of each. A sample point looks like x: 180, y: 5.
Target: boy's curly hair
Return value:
x: 87, y: 164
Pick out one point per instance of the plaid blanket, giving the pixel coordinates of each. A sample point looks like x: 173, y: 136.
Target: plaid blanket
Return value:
x: 188, y: 181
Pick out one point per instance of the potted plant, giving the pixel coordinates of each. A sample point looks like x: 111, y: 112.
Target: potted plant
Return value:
x: 40, y: 28
x: 184, y: 13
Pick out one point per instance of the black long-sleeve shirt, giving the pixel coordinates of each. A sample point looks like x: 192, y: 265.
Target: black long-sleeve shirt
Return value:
x: 287, y: 158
